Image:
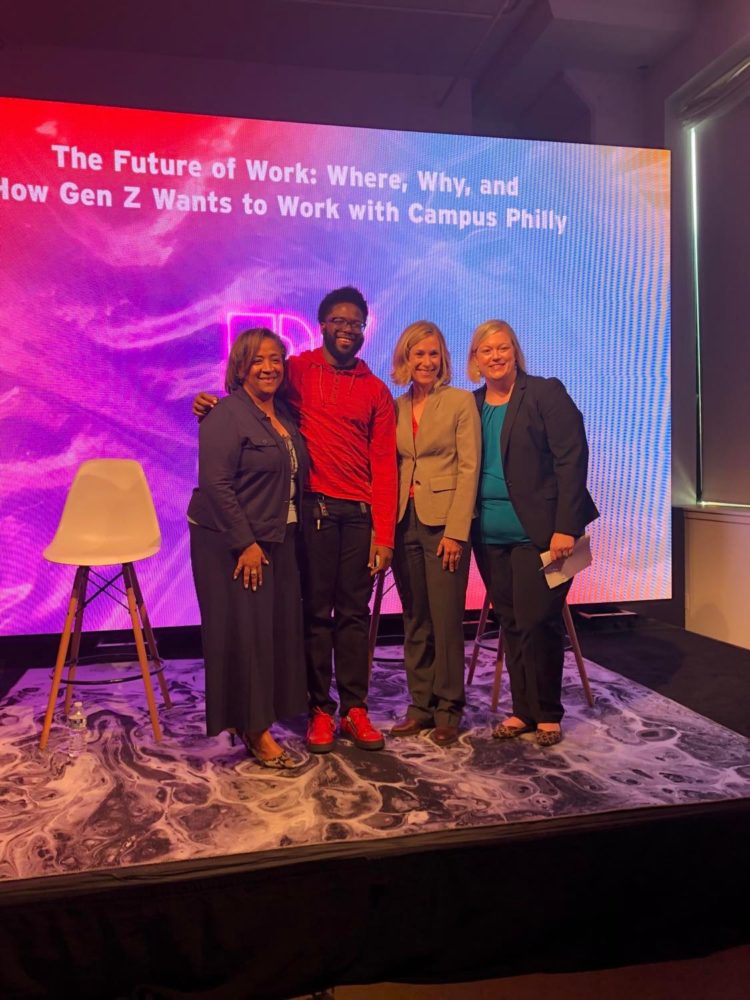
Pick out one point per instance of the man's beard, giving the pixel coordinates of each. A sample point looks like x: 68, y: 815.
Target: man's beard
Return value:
x: 342, y: 357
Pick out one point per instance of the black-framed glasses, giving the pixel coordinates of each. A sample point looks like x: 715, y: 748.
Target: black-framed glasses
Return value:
x: 341, y: 323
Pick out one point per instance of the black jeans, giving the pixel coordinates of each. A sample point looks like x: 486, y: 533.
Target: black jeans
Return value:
x: 530, y: 615
x: 336, y: 592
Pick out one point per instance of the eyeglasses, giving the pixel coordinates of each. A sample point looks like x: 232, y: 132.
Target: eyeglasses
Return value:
x: 340, y: 323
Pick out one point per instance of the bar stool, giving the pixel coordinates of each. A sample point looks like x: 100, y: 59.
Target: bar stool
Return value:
x: 108, y: 519
x: 380, y: 591
x: 482, y: 636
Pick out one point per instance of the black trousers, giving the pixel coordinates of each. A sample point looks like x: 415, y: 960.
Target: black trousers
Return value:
x: 433, y: 600
x: 336, y: 596
x: 530, y: 615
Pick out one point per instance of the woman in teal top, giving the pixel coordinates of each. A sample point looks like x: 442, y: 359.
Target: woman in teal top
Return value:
x: 498, y: 521
x: 532, y: 497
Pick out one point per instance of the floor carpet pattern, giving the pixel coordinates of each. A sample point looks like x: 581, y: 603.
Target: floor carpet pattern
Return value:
x: 129, y: 801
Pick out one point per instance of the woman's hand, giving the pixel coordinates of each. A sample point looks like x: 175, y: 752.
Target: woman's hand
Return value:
x: 204, y: 402
x: 250, y: 564
x: 560, y: 546
x: 451, y: 551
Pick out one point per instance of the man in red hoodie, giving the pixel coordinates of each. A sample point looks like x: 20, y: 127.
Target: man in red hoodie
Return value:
x: 348, y: 513
x: 347, y: 418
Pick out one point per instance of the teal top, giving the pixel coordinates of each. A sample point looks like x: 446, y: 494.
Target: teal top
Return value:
x: 498, y: 521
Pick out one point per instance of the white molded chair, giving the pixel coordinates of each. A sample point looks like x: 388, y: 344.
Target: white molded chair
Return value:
x: 108, y: 520
x: 480, y: 640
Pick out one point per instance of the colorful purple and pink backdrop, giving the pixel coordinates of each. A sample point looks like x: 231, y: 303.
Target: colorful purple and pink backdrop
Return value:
x: 124, y: 276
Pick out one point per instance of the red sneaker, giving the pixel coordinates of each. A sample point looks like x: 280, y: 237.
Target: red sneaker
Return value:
x: 321, y: 732
x: 361, y: 731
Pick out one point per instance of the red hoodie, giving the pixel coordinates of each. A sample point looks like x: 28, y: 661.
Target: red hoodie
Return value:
x: 348, y: 420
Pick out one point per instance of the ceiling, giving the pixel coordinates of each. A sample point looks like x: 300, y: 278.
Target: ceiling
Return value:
x: 508, y: 49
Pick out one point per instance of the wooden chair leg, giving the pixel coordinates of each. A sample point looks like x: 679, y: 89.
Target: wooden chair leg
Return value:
x: 496, y: 684
x: 75, y: 646
x: 482, y: 624
x: 127, y: 571
x: 375, y: 617
x: 62, y: 652
x: 150, y: 639
x: 568, y: 619
x: 572, y: 635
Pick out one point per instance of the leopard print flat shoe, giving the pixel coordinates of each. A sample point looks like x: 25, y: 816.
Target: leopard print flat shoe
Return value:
x: 503, y: 732
x: 548, y: 737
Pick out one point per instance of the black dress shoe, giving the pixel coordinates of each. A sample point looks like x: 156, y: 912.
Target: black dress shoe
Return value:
x: 410, y: 727
x: 445, y: 736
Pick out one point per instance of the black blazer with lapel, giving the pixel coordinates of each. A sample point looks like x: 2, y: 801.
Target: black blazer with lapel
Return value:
x: 545, y: 459
x: 244, y: 472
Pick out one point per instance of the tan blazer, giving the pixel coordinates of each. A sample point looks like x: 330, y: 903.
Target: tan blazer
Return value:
x: 443, y: 462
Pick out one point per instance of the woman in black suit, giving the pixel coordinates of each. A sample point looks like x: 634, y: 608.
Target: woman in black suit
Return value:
x: 532, y: 497
x: 252, y: 464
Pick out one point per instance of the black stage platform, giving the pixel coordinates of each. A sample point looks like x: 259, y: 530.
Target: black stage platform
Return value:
x: 592, y: 892
x: 415, y: 864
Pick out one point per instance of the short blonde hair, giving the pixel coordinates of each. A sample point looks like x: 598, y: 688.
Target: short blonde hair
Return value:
x: 411, y: 336
x: 481, y: 333
x: 244, y: 349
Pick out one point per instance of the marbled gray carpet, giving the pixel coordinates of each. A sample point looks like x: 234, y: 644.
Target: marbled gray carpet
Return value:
x: 129, y: 800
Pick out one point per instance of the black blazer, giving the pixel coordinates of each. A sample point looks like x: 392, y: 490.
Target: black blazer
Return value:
x: 244, y: 472
x: 545, y: 459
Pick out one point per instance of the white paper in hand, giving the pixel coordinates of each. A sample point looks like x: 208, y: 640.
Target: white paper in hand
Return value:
x: 563, y: 570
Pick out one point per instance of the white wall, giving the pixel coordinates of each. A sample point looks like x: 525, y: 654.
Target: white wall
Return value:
x: 616, y: 102
x: 243, y: 90
x: 717, y: 574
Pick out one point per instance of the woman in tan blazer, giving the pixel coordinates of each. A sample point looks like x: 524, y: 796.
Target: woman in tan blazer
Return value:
x: 438, y: 436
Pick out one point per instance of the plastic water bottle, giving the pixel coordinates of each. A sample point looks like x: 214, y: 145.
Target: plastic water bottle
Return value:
x: 77, y: 731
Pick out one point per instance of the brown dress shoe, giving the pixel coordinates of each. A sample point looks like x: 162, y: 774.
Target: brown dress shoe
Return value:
x: 410, y: 727
x: 445, y: 736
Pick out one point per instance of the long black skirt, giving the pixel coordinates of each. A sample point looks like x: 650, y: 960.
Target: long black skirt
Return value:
x: 252, y: 640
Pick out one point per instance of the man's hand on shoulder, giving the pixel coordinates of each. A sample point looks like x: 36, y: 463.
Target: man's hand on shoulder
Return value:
x: 203, y: 403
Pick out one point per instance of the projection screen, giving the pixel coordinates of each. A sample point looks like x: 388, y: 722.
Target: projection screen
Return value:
x: 136, y: 244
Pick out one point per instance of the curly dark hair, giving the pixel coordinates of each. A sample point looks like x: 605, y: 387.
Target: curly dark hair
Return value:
x: 348, y: 294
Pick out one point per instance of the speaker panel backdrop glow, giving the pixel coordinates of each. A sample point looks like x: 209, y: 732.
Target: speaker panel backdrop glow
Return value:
x: 124, y: 276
